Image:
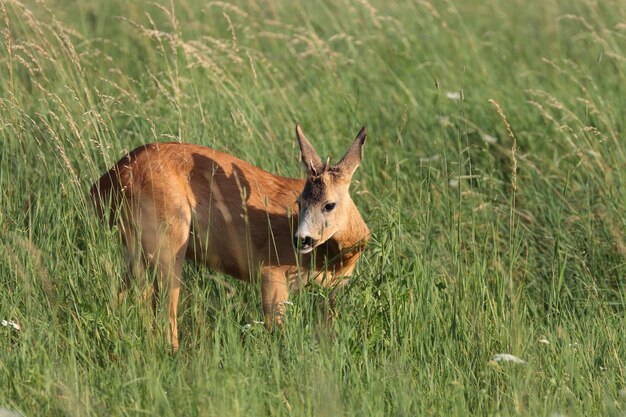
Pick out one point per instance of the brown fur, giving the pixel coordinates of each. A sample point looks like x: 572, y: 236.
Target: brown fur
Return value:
x: 176, y: 201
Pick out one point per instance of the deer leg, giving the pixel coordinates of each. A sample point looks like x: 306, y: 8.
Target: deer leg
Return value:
x: 128, y: 276
x: 169, y: 279
x: 274, y: 294
x: 135, y: 264
x: 165, y: 243
x: 331, y: 310
x: 171, y: 259
x: 342, y: 279
x: 135, y: 271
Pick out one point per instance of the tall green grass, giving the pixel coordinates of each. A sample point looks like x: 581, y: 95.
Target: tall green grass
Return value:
x: 493, y: 180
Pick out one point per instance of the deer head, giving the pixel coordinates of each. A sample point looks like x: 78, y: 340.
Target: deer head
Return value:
x: 325, y: 205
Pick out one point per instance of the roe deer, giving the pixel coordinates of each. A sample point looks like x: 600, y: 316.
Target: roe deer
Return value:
x: 173, y: 201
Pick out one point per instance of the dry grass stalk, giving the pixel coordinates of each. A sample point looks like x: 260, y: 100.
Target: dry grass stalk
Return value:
x: 513, y: 147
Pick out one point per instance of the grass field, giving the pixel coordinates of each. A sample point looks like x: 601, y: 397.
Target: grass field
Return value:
x: 493, y: 180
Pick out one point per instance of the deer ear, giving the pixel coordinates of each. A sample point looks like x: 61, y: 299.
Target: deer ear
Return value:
x: 311, y: 160
x: 351, y: 160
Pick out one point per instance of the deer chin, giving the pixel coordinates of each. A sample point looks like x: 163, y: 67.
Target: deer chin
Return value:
x: 305, y: 250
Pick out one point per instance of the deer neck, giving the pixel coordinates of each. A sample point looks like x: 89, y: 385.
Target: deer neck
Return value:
x: 355, y: 234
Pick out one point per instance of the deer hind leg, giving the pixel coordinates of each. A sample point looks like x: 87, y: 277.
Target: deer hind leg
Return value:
x: 274, y: 294
x: 169, y: 267
x: 164, y: 241
x: 135, y: 263
x: 135, y: 271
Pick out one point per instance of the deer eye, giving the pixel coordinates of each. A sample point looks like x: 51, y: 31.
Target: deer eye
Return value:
x: 329, y: 206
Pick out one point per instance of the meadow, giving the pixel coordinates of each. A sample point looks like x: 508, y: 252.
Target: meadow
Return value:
x: 493, y: 180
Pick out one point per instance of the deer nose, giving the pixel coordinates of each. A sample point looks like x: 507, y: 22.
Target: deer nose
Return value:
x: 303, y: 243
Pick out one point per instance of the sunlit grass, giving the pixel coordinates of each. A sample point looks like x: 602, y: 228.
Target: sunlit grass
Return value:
x: 493, y: 181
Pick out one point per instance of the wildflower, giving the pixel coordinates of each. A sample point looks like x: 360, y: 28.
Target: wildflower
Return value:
x: 544, y: 341
x: 12, y: 324
x: 246, y: 327
x: 506, y: 357
x: 453, y: 95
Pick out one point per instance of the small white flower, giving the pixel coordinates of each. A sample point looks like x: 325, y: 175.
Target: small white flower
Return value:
x: 12, y: 324
x: 506, y: 357
x: 246, y: 327
x: 453, y: 95
x: 454, y: 182
x: 489, y: 139
x: 544, y: 341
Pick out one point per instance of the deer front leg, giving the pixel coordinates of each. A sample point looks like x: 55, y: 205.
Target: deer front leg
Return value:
x: 331, y: 306
x: 342, y: 279
x: 274, y: 293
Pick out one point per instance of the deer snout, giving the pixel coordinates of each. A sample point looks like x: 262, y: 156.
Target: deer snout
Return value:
x: 303, y: 244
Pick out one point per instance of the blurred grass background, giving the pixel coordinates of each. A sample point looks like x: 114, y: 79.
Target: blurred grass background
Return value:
x: 493, y: 179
